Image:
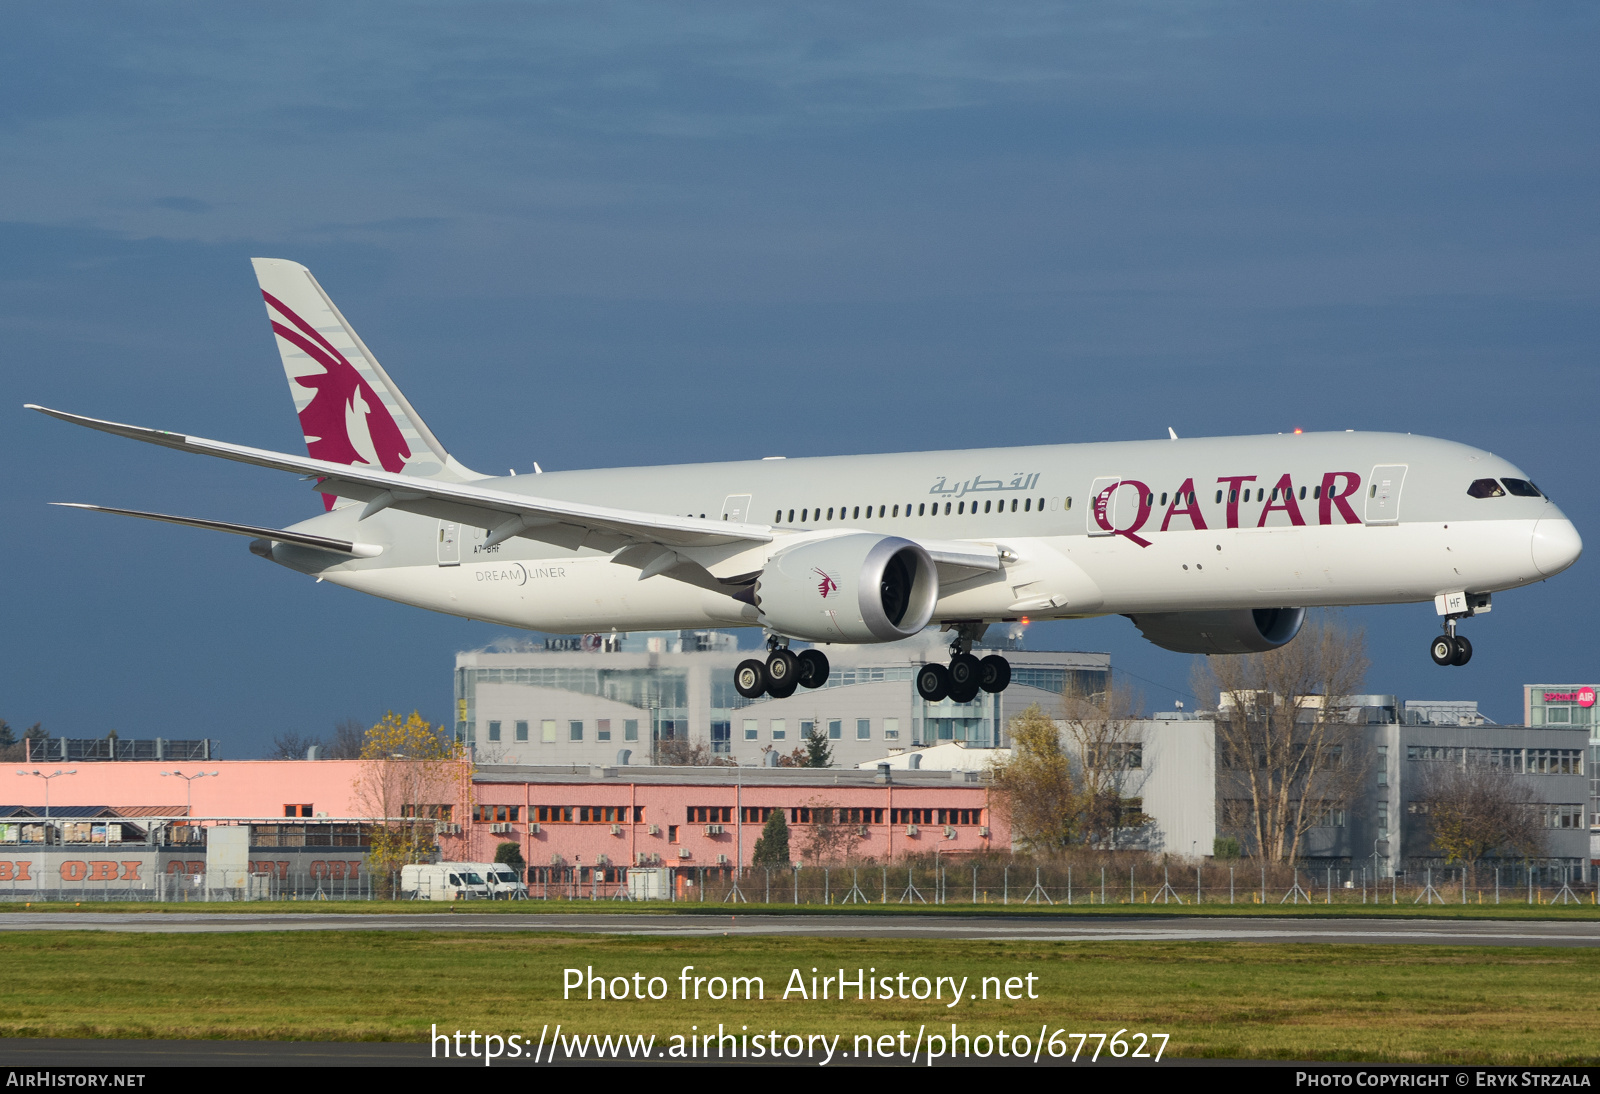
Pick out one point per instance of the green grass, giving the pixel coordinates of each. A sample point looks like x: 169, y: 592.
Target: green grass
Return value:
x: 534, y: 908
x: 1233, y: 1000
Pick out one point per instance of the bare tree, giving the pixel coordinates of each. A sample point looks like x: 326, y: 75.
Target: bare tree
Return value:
x: 681, y: 752
x: 291, y: 746
x: 349, y: 737
x: 1106, y: 748
x: 1472, y: 811
x: 829, y: 838
x: 1283, y: 738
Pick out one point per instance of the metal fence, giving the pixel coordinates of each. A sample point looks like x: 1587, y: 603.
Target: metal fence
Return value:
x: 1112, y: 880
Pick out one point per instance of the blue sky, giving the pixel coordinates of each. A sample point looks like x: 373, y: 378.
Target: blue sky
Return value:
x: 607, y: 234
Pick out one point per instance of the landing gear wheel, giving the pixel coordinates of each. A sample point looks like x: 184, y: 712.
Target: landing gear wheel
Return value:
x: 964, y: 669
x: 783, y: 673
x: 1463, y: 651
x: 813, y: 671
x: 994, y: 673
x: 966, y: 693
x: 1443, y: 650
x: 750, y: 679
x: 933, y: 682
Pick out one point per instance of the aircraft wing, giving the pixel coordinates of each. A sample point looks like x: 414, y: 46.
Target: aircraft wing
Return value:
x: 502, y: 512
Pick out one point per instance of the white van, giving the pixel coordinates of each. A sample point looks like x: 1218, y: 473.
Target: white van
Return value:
x: 501, y: 880
x: 504, y: 884
x: 443, y: 881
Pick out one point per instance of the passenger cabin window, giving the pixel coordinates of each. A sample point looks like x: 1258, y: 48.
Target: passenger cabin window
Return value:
x: 1485, y: 488
x: 1522, y: 488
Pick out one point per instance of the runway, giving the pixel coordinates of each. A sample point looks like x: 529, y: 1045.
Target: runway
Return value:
x: 1445, y: 932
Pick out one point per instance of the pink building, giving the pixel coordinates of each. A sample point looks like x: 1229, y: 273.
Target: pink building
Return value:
x: 238, y: 789
x: 572, y: 818
x: 693, y: 817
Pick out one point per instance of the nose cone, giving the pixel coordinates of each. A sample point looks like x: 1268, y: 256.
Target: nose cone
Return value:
x: 1556, y: 545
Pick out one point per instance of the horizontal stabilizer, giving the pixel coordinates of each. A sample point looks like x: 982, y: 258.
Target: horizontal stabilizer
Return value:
x: 277, y: 535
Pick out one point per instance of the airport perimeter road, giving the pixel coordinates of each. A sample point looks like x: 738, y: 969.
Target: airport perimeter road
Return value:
x: 1519, y: 932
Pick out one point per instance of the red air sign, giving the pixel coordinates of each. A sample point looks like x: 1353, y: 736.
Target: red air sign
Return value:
x: 1584, y: 697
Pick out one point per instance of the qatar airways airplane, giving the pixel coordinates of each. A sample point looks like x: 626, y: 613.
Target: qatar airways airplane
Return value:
x: 1210, y: 545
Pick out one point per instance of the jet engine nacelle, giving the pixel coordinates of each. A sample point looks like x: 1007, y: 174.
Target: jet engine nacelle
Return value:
x: 1245, y: 630
x: 852, y: 588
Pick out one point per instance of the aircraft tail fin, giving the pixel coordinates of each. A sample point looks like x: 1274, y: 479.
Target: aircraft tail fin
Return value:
x: 351, y: 412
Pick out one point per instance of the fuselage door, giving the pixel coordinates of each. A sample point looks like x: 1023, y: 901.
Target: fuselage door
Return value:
x: 736, y: 508
x: 1101, y: 514
x: 449, y: 543
x: 1383, y: 493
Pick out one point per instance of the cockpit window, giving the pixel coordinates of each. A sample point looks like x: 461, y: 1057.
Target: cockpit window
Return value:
x: 1522, y: 488
x: 1485, y: 488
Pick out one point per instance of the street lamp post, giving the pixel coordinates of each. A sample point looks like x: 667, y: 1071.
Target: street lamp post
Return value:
x: 53, y: 775
x: 188, y: 781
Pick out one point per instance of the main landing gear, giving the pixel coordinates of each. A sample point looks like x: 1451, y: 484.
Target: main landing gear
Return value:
x: 782, y: 672
x: 966, y: 676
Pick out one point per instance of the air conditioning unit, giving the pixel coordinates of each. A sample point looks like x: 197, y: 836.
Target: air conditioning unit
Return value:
x: 555, y: 860
x: 641, y: 859
x: 949, y: 832
x: 984, y: 831
x: 602, y: 860
x: 533, y: 829
x: 655, y: 829
x: 683, y: 852
x: 713, y: 829
x: 501, y: 829
x: 447, y: 828
x: 722, y: 860
x: 912, y: 830
x: 616, y: 829
x: 863, y: 831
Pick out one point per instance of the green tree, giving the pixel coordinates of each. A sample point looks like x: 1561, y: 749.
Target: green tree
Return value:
x: 7, y: 738
x: 510, y: 854
x: 1037, y: 790
x: 772, y: 848
x: 818, y: 752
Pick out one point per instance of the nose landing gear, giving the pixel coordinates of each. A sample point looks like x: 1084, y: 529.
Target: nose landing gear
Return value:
x: 1450, y: 648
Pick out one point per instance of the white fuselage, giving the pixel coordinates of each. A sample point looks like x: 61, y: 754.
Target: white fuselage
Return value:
x: 1088, y: 529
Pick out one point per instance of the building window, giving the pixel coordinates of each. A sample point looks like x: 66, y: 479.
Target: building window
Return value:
x: 602, y: 729
x: 672, y: 833
x: 961, y: 816
x: 297, y: 810
x: 574, y: 731
x: 863, y: 729
x: 547, y: 731
x: 630, y: 729
x: 1383, y: 765
x: 756, y: 814
x: 710, y: 814
x: 494, y: 731
x: 1383, y: 820
x: 522, y: 731
x: 496, y: 814
x: 891, y: 729
x: 751, y: 731
x: 778, y: 730
x: 722, y: 737
x: 835, y: 729
x: 911, y: 816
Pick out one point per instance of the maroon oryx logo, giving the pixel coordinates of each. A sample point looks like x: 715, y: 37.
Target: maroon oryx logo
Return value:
x: 827, y: 584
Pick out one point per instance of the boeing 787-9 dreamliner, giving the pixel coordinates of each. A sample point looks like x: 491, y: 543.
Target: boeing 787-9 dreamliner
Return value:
x: 1209, y: 545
